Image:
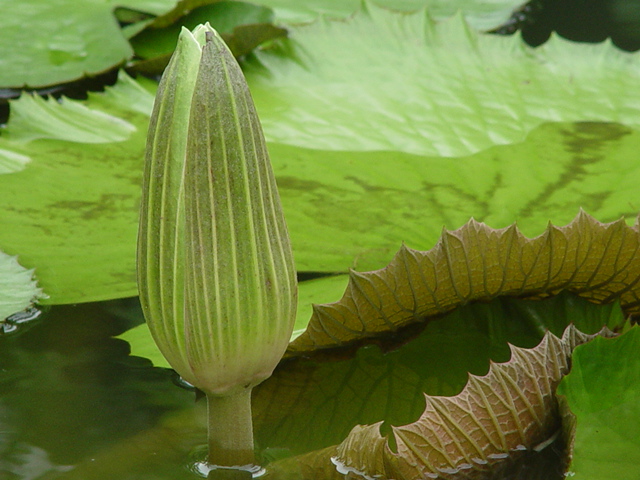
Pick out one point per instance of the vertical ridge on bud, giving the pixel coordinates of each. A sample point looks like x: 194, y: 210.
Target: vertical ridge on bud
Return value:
x: 238, y: 237
x: 160, y: 238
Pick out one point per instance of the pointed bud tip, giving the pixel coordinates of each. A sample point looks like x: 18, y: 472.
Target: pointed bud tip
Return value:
x: 204, y: 33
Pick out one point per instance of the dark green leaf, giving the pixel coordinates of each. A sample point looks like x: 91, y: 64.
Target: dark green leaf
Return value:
x: 58, y: 41
x: 602, y: 391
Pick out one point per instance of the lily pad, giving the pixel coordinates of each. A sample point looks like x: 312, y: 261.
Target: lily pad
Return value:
x: 344, y: 208
x: 362, y: 205
x: 602, y: 391
x: 153, y: 7
x: 403, y: 82
x: 224, y: 16
x: 180, y: 9
x: 243, y: 26
x: 499, y: 423
x: 600, y: 262
x: 496, y: 417
x: 72, y: 213
x: 58, y: 41
x: 12, y: 161
x: 18, y: 288
x: 33, y: 118
x: 383, y: 383
x: 482, y: 15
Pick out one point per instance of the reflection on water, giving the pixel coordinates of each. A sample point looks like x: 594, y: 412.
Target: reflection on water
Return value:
x: 75, y: 405
x: 68, y: 391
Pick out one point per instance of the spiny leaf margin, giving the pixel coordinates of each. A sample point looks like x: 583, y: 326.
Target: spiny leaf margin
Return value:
x: 597, y: 261
x: 508, y: 411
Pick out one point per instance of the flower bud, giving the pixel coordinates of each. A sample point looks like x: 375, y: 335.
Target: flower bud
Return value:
x: 215, y: 267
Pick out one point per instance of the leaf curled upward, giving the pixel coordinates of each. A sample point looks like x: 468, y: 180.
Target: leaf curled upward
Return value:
x: 597, y: 261
x: 494, y: 419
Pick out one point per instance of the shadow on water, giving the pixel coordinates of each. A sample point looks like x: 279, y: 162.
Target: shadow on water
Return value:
x: 75, y: 405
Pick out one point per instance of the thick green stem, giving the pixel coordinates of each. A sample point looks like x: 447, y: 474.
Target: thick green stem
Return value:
x: 230, y: 429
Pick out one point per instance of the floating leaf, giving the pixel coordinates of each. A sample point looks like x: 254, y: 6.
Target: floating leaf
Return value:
x: 18, y: 289
x: 344, y: 209
x: 181, y: 8
x: 406, y: 83
x: 154, y: 7
x: 72, y: 213
x: 223, y: 15
x: 482, y: 15
x: 602, y: 391
x: 329, y: 395
x: 599, y: 262
x: 353, y: 209
x: 12, y: 161
x: 243, y: 26
x: 512, y: 409
x: 33, y: 118
x: 58, y: 41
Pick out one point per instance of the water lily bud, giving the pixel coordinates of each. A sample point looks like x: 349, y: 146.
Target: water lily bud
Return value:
x: 216, y: 274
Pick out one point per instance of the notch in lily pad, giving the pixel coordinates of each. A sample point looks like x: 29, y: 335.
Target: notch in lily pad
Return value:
x: 215, y: 267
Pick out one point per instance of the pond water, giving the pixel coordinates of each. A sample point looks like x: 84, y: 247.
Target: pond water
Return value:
x: 74, y: 404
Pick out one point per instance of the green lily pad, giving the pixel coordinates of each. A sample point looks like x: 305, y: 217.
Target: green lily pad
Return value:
x: 602, y: 391
x: 376, y: 385
x: 403, y: 82
x: 180, y: 9
x: 364, y: 204
x: 12, y: 161
x: 223, y: 16
x: 154, y: 7
x: 32, y: 118
x: 143, y: 345
x: 58, y: 41
x: 72, y: 213
x: 344, y: 209
x: 243, y: 26
x: 18, y: 288
x: 482, y: 15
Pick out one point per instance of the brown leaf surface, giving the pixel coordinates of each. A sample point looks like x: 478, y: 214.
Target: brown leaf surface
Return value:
x: 494, y: 420
x: 598, y: 261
